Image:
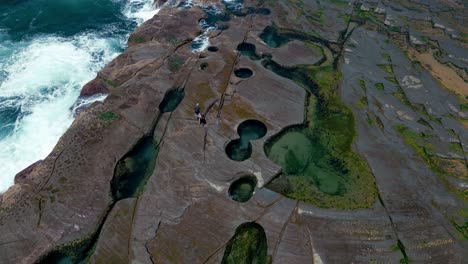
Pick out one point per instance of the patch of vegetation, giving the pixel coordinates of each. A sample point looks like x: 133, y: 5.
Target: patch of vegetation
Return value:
x: 400, y: 95
x: 175, y: 63
x: 173, y: 40
x: 338, y: 2
x: 463, y: 229
x: 362, y: 84
x: 379, y: 86
x: 423, y: 122
x: 362, y: 16
x: 109, y: 116
x: 319, y: 17
x: 464, y: 107
x: 463, y: 212
x: 456, y: 147
x: 136, y: 39
x: 369, y: 119
x: 247, y: 246
x: 402, y: 249
x: 394, y: 28
x: 345, y: 17
x: 392, y: 79
x: 451, y: 131
x: 109, y: 82
x: 442, y: 167
x: 388, y: 68
x: 421, y: 108
x: 362, y: 103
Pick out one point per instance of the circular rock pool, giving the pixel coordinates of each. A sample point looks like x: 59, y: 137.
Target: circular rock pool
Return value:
x: 241, y: 190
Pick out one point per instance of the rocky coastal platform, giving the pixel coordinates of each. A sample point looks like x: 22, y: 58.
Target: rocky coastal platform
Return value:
x: 336, y: 133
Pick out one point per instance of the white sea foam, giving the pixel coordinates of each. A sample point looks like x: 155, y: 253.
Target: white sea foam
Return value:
x: 140, y: 10
x: 43, y: 80
x: 202, y: 42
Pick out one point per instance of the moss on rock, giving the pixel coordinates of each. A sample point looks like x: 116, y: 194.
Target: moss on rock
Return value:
x: 247, y: 246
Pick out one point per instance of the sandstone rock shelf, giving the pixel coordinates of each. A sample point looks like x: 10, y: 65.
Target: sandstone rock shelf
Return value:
x: 385, y: 134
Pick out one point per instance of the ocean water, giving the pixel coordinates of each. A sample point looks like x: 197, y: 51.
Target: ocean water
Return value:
x: 48, y: 50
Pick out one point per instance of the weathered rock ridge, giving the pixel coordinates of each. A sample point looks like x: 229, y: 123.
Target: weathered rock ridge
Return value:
x: 180, y: 210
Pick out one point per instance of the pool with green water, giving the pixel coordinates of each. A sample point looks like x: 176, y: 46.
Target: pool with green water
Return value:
x: 301, y: 158
x: 241, y: 190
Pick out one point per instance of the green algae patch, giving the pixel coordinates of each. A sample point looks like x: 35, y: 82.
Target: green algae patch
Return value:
x: 175, y: 63
x: 247, y: 246
x: 387, y: 68
x: 136, y: 39
x: 109, y: 116
x: 362, y: 84
x: 392, y: 80
x: 443, y: 167
x: 463, y: 229
x: 312, y: 173
x: 319, y: 165
x: 362, y: 17
x: 379, y: 86
x: 400, y: 94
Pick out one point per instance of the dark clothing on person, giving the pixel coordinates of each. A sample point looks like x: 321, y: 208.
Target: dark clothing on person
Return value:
x: 197, y: 110
x: 202, y: 120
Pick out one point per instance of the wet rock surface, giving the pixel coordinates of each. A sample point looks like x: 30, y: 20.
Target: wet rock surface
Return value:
x: 365, y: 96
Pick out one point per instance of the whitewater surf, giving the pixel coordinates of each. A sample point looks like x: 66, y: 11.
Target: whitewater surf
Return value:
x: 48, y: 51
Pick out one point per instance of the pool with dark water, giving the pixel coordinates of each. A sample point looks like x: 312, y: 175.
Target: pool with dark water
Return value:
x: 242, y: 189
x: 241, y: 149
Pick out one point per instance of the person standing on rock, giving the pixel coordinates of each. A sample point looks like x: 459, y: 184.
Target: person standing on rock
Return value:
x: 202, y: 119
x: 197, y: 110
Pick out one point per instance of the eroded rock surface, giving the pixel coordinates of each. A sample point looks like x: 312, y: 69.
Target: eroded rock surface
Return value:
x: 349, y: 60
